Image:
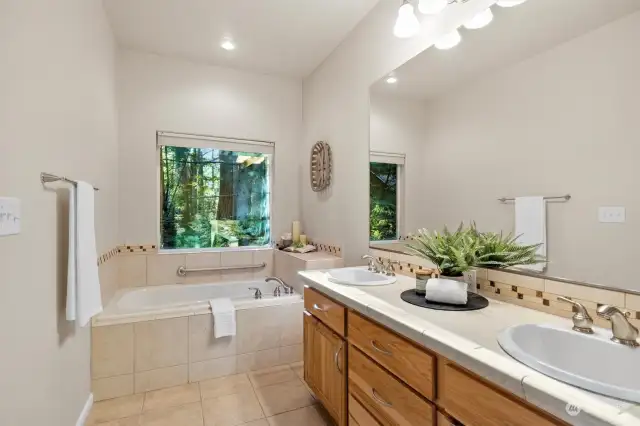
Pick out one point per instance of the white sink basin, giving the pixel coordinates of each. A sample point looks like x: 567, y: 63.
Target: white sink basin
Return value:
x: 592, y: 362
x: 359, y: 277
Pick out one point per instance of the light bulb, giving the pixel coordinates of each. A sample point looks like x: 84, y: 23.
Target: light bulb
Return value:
x: 509, y: 3
x: 481, y: 20
x: 392, y: 80
x: 227, y: 44
x: 432, y: 7
x: 407, y: 24
x: 449, y: 40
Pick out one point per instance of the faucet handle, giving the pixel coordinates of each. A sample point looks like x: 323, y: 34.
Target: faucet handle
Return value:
x: 387, y: 267
x: 623, y: 331
x: 582, y: 321
x: 257, y: 294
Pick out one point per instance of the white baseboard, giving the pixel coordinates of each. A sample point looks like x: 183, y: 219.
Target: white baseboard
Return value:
x: 85, y: 411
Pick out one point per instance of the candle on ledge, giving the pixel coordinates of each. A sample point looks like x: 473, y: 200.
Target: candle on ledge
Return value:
x: 295, y: 231
x: 303, y: 239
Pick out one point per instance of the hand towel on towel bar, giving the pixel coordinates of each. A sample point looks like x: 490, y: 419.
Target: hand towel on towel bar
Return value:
x: 83, y: 283
x: 224, y: 317
x: 443, y: 290
x: 531, y: 226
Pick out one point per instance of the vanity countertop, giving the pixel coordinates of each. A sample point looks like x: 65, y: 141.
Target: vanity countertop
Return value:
x: 470, y: 339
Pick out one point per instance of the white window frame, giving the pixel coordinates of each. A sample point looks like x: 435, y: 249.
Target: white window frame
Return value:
x: 191, y: 140
x: 400, y: 160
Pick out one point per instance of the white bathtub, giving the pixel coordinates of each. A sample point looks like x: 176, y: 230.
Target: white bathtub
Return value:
x: 170, y: 301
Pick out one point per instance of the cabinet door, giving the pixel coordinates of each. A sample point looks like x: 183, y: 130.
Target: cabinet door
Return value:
x: 325, y: 360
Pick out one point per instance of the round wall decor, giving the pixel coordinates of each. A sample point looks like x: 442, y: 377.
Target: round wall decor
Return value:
x: 320, y: 166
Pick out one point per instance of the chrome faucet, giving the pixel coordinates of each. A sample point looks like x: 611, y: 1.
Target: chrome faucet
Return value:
x: 374, y: 264
x: 624, y: 332
x: 387, y: 267
x: 257, y: 294
x: 582, y: 321
x: 287, y: 288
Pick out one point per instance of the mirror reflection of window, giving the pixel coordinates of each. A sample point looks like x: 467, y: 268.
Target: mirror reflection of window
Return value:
x: 385, y: 182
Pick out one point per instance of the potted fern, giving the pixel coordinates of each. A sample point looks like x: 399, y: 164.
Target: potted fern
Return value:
x: 500, y: 251
x: 453, y: 253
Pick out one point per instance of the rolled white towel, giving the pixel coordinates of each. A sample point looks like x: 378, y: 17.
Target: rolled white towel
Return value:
x: 446, y: 291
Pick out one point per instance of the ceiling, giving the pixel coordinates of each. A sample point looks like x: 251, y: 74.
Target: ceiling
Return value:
x: 288, y: 37
x: 515, y: 34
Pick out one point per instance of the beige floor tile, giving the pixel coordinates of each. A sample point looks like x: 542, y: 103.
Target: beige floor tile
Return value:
x: 261, y: 422
x: 287, y: 396
x: 271, y: 376
x: 232, y: 410
x: 183, y: 415
x: 298, y: 368
x: 129, y: 421
x: 307, y: 416
x: 222, y: 386
x: 114, y: 409
x: 171, y: 397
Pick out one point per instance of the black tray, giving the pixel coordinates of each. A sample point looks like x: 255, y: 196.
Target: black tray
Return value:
x: 474, y: 302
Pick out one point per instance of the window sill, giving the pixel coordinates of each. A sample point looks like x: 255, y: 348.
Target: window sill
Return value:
x: 214, y: 250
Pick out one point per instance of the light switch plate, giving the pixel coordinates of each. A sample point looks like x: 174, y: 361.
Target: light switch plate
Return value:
x: 9, y: 216
x: 614, y: 214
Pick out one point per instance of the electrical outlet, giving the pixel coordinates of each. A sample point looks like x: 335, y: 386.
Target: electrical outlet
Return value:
x: 9, y: 216
x: 470, y: 279
x: 611, y: 214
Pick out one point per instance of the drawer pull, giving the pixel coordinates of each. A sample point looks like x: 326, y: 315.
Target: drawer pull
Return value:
x: 336, y: 360
x: 318, y: 308
x: 375, y: 346
x: 375, y: 395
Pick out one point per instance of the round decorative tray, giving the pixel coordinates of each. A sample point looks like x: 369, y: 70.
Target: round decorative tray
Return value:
x: 474, y: 302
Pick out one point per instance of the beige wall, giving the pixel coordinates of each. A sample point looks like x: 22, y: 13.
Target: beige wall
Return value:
x: 565, y: 121
x: 336, y: 109
x: 57, y: 114
x: 158, y: 93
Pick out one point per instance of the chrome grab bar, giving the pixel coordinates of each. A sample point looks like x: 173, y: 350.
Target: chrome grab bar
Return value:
x: 183, y: 271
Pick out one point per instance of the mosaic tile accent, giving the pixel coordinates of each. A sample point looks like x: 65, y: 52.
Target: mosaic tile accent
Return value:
x: 138, y: 248
x: 328, y: 248
x: 103, y: 258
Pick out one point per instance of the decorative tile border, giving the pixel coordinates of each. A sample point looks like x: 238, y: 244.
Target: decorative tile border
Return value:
x: 103, y: 258
x: 328, y: 248
x: 138, y: 248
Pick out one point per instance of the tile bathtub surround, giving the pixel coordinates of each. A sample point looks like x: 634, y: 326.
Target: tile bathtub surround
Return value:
x: 235, y: 400
x: 151, y: 355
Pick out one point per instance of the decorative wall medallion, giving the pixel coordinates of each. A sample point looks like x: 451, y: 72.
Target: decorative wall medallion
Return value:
x: 320, y: 166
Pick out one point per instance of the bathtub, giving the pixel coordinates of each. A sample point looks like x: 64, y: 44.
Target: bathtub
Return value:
x: 169, y: 301
x: 162, y: 336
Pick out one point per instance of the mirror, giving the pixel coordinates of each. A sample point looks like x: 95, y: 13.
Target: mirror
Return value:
x: 544, y: 101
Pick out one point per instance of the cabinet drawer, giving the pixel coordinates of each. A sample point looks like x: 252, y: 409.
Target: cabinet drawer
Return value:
x: 410, y: 363
x: 358, y: 415
x: 388, y: 399
x: 474, y: 403
x: 326, y: 310
x: 443, y: 420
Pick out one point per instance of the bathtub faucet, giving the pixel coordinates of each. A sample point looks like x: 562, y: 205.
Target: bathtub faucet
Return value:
x: 287, y: 288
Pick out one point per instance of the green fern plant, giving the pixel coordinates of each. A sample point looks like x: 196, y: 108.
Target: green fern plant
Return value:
x: 502, y: 251
x: 452, y: 252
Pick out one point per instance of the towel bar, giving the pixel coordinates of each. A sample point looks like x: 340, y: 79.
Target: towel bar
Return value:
x: 183, y: 271
x: 48, y: 177
x: 561, y: 197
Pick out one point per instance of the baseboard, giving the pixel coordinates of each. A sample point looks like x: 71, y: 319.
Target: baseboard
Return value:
x: 85, y: 411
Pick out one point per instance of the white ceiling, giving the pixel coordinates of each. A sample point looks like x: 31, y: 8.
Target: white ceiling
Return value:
x: 515, y: 34
x: 290, y: 37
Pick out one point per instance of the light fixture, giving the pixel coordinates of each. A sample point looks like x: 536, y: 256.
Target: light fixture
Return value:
x: 227, y: 44
x: 509, y: 3
x: 392, y: 79
x: 407, y: 24
x: 481, y: 20
x: 449, y: 40
x: 432, y: 7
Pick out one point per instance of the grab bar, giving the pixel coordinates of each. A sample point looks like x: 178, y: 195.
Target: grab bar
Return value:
x: 183, y: 271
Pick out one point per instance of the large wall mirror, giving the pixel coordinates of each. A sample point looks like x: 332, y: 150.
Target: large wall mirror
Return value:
x: 518, y: 113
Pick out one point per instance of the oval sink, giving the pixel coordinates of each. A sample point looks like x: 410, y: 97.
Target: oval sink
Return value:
x: 592, y: 362
x: 358, y: 276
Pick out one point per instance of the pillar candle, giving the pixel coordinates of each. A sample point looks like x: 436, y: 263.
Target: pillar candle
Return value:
x: 303, y: 239
x: 295, y: 231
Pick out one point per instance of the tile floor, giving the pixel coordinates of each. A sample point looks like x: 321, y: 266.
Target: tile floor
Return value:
x: 273, y: 397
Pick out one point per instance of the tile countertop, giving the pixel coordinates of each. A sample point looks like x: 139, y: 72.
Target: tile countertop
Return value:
x: 470, y: 339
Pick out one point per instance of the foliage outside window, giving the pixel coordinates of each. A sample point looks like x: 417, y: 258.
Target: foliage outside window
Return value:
x: 213, y: 198
x: 383, y: 201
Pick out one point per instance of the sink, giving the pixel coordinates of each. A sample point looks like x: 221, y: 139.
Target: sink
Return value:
x: 359, y: 277
x: 589, y: 361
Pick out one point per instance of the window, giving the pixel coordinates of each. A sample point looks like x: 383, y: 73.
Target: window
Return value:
x: 214, y: 192
x: 385, y: 178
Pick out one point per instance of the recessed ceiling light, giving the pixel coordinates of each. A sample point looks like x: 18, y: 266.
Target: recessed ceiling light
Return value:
x: 227, y: 44
x: 391, y: 79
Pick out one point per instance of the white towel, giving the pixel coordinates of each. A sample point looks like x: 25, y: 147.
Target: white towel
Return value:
x: 443, y: 290
x: 531, y: 226
x: 83, y: 293
x: 224, y: 317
